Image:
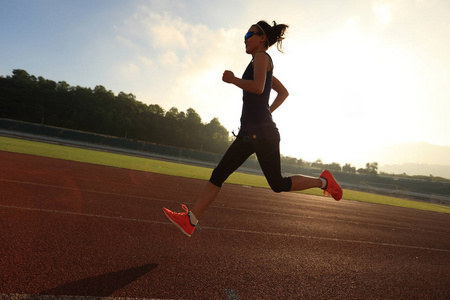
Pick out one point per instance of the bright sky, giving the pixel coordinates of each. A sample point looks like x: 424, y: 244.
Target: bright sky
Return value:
x: 362, y: 74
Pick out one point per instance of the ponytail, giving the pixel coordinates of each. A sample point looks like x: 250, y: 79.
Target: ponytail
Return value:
x: 274, y: 34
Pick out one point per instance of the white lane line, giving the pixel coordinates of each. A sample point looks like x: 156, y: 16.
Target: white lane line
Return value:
x: 86, y: 191
x: 329, y: 239
x: 83, y: 214
x: 233, y: 230
x: 52, y: 297
x: 232, y: 208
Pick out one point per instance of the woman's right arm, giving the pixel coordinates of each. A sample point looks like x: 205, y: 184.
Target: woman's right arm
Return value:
x: 256, y: 86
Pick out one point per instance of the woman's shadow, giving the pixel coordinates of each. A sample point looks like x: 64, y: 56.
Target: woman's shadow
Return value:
x: 102, y: 285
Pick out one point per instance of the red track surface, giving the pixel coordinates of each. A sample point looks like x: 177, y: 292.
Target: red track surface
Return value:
x: 69, y: 228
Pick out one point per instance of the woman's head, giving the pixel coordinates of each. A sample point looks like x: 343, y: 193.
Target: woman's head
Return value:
x: 274, y: 34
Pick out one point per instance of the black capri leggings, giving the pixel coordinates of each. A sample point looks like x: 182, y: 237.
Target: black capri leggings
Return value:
x: 268, y: 154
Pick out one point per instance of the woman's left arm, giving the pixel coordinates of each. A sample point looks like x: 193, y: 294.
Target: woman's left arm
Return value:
x: 282, y: 94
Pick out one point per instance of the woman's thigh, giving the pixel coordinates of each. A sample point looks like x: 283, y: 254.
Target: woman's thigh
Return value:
x: 236, y: 155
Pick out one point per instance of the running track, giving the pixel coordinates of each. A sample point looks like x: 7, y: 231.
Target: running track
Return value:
x: 77, y: 229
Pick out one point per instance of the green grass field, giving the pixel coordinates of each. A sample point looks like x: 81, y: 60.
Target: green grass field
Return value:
x: 170, y: 168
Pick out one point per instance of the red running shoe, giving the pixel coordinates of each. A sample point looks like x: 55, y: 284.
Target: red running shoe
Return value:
x: 332, y: 188
x: 181, y: 220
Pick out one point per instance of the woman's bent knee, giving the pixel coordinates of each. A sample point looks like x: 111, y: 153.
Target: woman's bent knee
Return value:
x: 218, y: 177
x: 283, y: 185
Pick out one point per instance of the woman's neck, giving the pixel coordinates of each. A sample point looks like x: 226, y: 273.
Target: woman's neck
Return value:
x: 261, y: 48
x: 254, y: 54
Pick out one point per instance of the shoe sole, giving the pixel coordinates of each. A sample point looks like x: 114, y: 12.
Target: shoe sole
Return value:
x: 176, y: 224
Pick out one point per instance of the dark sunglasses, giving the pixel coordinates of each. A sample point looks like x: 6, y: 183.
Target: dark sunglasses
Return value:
x: 250, y: 34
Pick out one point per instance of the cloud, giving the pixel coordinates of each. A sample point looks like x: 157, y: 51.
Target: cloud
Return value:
x: 166, y: 32
x: 168, y: 59
x: 165, y: 36
x: 382, y: 11
x: 172, y: 62
x: 351, y: 63
x: 130, y: 70
x: 127, y: 43
x: 146, y: 62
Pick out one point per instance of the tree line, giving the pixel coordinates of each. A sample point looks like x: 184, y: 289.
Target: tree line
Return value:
x: 28, y: 98
x: 25, y: 97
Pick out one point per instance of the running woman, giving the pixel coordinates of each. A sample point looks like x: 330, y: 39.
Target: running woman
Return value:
x: 258, y: 132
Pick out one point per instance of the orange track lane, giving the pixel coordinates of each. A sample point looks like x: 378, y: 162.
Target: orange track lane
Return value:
x: 78, y: 229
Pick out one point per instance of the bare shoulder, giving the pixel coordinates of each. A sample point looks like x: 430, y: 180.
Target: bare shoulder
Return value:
x: 264, y: 59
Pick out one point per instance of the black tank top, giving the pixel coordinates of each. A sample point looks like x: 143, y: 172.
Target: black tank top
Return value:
x: 256, y: 119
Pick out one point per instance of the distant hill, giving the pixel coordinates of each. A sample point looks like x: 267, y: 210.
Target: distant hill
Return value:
x: 417, y: 169
x: 415, y: 159
x: 415, y: 153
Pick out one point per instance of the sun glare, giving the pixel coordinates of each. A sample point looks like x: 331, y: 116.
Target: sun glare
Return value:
x: 361, y: 82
